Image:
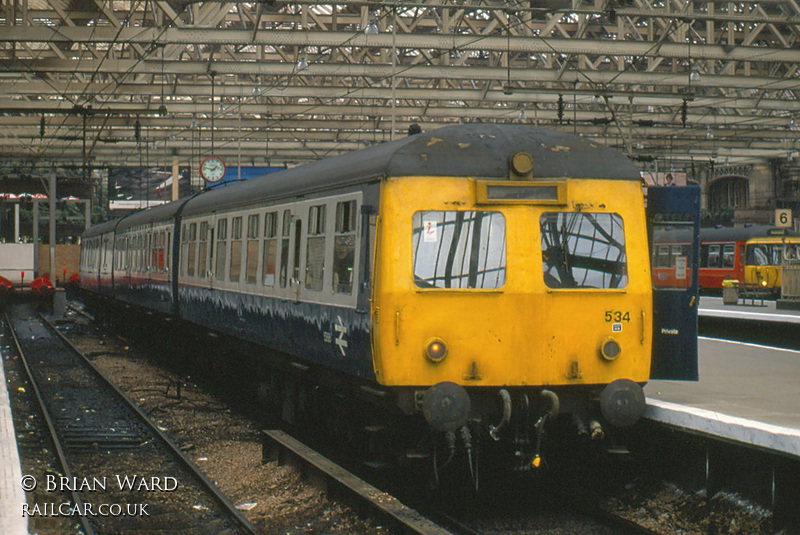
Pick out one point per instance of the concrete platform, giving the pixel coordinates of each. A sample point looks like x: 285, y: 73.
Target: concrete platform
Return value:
x: 11, y: 494
x: 747, y: 393
x: 712, y: 307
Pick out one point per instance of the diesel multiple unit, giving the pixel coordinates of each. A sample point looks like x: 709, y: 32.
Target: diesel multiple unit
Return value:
x: 480, y: 281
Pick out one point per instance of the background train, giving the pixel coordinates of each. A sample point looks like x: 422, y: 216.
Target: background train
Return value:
x: 764, y: 258
x: 751, y: 255
x: 468, y: 287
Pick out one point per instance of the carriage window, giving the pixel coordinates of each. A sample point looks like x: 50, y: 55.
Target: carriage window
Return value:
x: 315, y: 248
x: 344, y: 247
x: 145, y: 249
x: 663, y: 256
x: 222, y: 236
x: 136, y: 253
x: 168, y: 250
x: 192, y: 250
x: 156, y: 250
x: 459, y: 249
x: 251, y: 264
x: 270, y: 248
x: 202, y: 250
x: 236, y: 249
x: 584, y: 250
x: 149, y: 251
x: 672, y: 260
x: 728, y: 253
x: 298, y: 233
x: 713, y: 256
x: 285, y: 232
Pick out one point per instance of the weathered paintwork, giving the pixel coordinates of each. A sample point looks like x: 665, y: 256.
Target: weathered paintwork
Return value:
x: 523, y: 333
x: 334, y: 336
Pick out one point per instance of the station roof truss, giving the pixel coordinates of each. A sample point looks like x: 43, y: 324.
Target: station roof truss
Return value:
x: 116, y: 82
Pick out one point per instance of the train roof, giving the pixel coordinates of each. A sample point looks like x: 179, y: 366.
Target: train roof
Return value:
x: 712, y: 234
x: 720, y: 234
x: 162, y: 212
x: 474, y: 150
x: 101, y: 228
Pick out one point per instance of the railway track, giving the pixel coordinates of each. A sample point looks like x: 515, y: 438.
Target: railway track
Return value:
x: 118, y: 471
x: 430, y: 519
x: 557, y: 515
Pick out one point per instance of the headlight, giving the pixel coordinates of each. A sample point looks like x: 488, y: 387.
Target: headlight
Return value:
x: 436, y: 349
x: 610, y: 349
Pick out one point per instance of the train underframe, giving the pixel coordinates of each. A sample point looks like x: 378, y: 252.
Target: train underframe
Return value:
x: 438, y: 433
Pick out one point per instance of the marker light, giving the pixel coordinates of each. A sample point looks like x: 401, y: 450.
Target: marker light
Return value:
x: 610, y: 349
x: 436, y: 350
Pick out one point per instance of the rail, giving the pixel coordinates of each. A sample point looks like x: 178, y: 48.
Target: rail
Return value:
x: 68, y: 439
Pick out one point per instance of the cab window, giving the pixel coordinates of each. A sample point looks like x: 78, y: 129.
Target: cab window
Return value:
x: 465, y: 250
x: 584, y: 250
x: 765, y: 254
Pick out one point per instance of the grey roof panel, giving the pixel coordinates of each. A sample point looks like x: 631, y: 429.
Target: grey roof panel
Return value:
x: 475, y: 150
x: 159, y: 213
x: 100, y: 228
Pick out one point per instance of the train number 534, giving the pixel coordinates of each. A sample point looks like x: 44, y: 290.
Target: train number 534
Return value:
x: 617, y: 316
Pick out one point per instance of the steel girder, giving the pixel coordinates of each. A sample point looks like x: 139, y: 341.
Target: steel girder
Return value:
x: 294, y: 81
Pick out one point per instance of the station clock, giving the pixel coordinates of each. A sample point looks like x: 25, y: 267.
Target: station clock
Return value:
x: 212, y: 169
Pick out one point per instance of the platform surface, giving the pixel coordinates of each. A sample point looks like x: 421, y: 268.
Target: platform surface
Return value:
x: 714, y: 307
x: 746, y: 392
x: 11, y: 494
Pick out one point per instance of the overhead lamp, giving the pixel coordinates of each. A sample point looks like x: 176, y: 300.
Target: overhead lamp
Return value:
x: 371, y: 29
x: 709, y: 133
x: 302, y: 64
x: 256, y: 91
x: 522, y: 115
x: 694, y: 76
x: 193, y: 126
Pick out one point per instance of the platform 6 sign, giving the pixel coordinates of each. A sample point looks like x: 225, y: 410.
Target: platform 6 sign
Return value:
x: 783, y: 218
